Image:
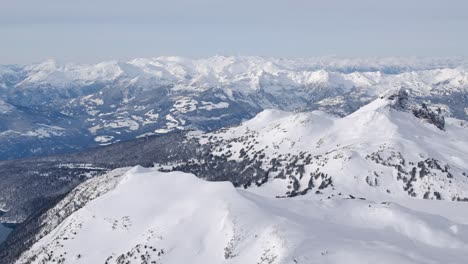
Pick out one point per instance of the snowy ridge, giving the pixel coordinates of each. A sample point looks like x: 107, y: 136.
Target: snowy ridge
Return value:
x: 155, y: 217
x: 379, y: 149
x: 78, y: 198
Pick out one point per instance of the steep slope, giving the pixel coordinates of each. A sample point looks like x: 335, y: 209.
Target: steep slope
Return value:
x: 113, y: 101
x: 146, y: 216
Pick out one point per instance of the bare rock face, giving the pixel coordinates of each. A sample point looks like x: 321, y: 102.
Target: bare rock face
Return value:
x: 435, y: 118
x: 402, y: 101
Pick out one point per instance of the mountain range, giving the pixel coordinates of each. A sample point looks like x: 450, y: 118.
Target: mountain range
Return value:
x: 52, y: 108
x: 235, y: 160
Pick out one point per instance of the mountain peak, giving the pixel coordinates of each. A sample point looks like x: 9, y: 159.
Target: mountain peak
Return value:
x: 401, y: 101
x: 399, y: 98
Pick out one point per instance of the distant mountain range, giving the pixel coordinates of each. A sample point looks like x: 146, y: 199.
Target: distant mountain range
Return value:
x: 52, y: 108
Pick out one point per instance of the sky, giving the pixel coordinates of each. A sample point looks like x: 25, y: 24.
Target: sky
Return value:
x: 88, y: 31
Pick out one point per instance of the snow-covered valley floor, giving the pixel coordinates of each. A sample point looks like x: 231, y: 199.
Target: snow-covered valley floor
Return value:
x: 149, y: 216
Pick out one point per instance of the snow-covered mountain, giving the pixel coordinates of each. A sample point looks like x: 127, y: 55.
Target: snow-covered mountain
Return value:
x: 304, y: 187
x: 146, y: 216
x: 388, y: 146
x: 392, y: 146
x: 75, y: 106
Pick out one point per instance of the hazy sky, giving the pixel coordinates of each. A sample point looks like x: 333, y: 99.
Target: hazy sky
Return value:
x: 94, y: 30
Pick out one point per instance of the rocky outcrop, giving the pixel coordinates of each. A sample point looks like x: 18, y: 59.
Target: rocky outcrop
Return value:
x: 434, y: 117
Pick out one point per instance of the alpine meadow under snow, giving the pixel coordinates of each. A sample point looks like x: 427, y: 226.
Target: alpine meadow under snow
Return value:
x: 235, y: 160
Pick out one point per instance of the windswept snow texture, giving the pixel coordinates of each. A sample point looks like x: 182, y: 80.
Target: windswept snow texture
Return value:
x: 147, y: 216
x: 73, y: 106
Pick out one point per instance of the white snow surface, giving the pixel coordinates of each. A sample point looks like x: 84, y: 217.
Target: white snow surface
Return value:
x: 147, y: 216
x: 249, y: 74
